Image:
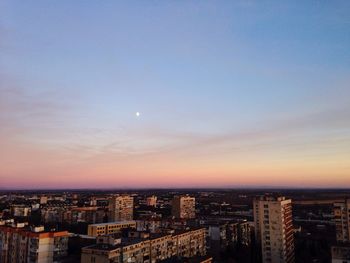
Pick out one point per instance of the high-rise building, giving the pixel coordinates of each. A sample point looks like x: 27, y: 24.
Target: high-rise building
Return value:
x: 342, y: 220
x: 21, y: 244
x: 121, y: 208
x: 184, y: 207
x: 341, y: 251
x: 274, y: 229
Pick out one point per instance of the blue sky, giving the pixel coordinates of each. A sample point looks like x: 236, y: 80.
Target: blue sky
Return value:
x: 75, y: 72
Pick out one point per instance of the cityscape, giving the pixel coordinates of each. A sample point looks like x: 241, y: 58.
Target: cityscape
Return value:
x: 187, y: 131
x: 173, y: 225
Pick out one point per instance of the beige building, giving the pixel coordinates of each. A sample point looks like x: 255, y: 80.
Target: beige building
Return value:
x: 184, y: 207
x: 21, y: 245
x: 121, y: 208
x: 146, y: 248
x: 151, y: 201
x: 342, y: 220
x: 20, y: 210
x: 274, y: 229
x: 109, y: 228
x: 101, y: 253
x: 43, y: 200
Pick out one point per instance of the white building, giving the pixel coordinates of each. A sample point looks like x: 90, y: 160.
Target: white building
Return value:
x: 274, y: 229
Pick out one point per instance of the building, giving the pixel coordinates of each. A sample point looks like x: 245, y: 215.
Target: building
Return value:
x: 151, y: 201
x: 342, y: 220
x: 101, y: 229
x: 151, y: 225
x: 341, y: 254
x: 184, y: 207
x: 121, y: 208
x: 244, y: 233
x: 20, y: 210
x: 89, y: 214
x: 341, y: 251
x: 43, y: 200
x: 190, y: 243
x: 199, y: 259
x: 146, y: 248
x: 274, y: 229
x: 223, y: 233
x: 33, y: 245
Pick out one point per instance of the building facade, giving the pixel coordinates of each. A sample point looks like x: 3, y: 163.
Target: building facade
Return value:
x: 22, y: 245
x: 341, y: 254
x: 121, y: 208
x: 148, y: 249
x: 151, y: 201
x: 184, y: 207
x: 96, y: 230
x: 274, y: 229
x: 341, y: 251
x: 342, y: 220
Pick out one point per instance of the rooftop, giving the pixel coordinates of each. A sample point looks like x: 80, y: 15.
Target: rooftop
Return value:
x: 115, y: 222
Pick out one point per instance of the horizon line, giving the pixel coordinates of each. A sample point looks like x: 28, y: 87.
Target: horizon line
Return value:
x: 178, y: 188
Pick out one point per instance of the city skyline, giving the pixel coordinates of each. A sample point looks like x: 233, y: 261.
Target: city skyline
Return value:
x: 174, y: 94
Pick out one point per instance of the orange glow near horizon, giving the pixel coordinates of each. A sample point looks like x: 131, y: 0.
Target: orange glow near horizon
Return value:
x: 49, y: 168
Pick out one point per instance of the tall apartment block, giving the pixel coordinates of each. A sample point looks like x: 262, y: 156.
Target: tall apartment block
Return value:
x: 20, y: 244
x: 184, y: 207
x: 121, y: 208
x: 342, y: 220
x: 341, y: 251
x: 274, y: 229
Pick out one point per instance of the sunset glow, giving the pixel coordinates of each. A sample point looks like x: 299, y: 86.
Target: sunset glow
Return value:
x: 174, y: 94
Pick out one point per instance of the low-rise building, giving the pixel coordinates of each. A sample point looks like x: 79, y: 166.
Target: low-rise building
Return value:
x: 109, y: 228
x: 151, y: 201
x: 20, y: 210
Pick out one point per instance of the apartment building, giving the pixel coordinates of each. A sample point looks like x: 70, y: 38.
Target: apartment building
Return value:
x: 199, y: 259
x: 109, y: 228
x: 20, y: 210
x: 151, y: 201
x: 146, y: 248
x: 121, y: 208
x: 23, y: 245
x: 274, y: 229
x: 342, y: 220
x: 341, y: 251
x: 184, y: 207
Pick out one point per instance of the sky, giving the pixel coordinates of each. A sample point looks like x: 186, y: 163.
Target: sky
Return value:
x: 230, y: 94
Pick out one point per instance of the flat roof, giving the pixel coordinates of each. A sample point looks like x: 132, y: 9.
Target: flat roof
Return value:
x: 104, y: 247
x: 114, y: 223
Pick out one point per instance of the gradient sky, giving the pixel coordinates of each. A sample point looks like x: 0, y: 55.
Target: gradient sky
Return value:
x: 231, y: 93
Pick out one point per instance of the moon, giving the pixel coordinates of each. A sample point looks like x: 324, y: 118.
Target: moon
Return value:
x: 137, y: 114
